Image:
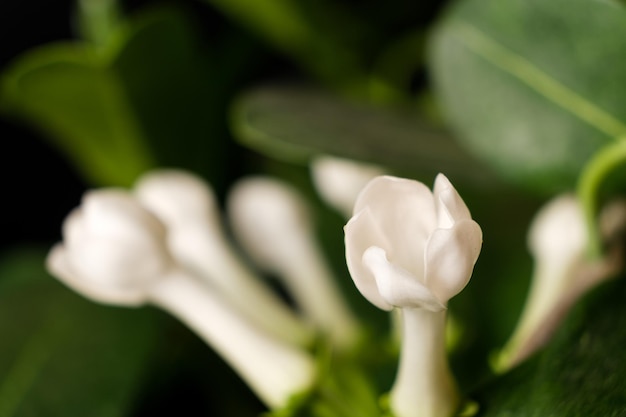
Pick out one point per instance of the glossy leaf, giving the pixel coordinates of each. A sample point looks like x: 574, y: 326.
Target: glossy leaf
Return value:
x: 150, y: 97
x: 62, y: 355
x: 580, y: 373
x: 295, y: 124
x: 68, y: 91
x: 533, y: 87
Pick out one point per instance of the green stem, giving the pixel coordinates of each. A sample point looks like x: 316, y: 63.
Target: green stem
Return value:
x: 592, y: 176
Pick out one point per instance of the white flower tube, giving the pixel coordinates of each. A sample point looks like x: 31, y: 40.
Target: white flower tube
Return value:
x: 271, y: 221
x: 558, y: 241
x: 339, y: 181
x: 414, y: 249
x: 186, y: 205
x: 114, y: 252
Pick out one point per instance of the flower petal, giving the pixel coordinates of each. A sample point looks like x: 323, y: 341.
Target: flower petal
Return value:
x: 362, y: 232
x: 59, y: 265
x: 397, y: 286
x: 450, y: 206
x: 405, y: 211
x: 450, y: 257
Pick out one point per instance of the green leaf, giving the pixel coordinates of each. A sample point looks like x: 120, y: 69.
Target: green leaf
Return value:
x: 533, y: 87
x: 70, y: 93
x: 580, y: 373
x: 62, y: 355
x: 296, y: 124
x: 312, y: 32
x: 149, y: 97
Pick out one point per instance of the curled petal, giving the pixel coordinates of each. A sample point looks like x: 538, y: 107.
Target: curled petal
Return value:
x: 450, y: 257
x: 450, y: 206
x: 115, y: 212
x: 405, y: 211
x: 397, y: 286
x: 362, y: 232
x: 58, y: 264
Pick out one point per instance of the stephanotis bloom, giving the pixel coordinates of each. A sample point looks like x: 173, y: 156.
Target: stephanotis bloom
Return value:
x: 195, y: 236
x: 272, y: 222
x: 115, y: 252
x: 413, y: 249
x: 558, y: 240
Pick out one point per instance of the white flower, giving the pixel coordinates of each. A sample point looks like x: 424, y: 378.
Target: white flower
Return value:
x: 188, y: 208
x: 115, y: 252
x: 272, y: 222
x: 113, y: 249
x: 407, y: 247
x: 558, y: 240
x: 339, y: 181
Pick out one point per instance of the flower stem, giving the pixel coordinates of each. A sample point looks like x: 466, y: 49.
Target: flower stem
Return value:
x: 243, y: 288
x: 424, y: 385
x: 273, y: 369
x: 596, y: 170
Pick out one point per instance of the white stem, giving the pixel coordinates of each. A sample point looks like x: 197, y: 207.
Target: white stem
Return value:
x: 312, y: 284
x: 549, y: 283
x: 273, y: 369
x: 424, y: 385
x: 211, y: 256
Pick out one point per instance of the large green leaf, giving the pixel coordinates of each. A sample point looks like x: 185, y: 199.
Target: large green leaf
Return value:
x: 534, y: 87
x: 582, y: 372
x: 149, y: 97
x: 295, y: 123
x: 70, y: 93
x: 62, y: 355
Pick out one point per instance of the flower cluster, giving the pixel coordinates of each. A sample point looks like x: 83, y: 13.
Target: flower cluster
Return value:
x: 407, y: 249
x: 163, y: 244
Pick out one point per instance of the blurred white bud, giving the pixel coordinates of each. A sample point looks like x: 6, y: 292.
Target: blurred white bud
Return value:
x: 558, y: 241
x: 272, y: 222
x: 187, y: 206
x: 339, y: 181
x: 113, y: 248
x: 114, y: 252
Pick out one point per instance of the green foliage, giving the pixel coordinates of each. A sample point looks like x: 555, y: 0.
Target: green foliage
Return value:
x: 533, y: 87
x: 149, y: 96
x: 295, y: 124
x: 52, y: 360
x: 580, y: 373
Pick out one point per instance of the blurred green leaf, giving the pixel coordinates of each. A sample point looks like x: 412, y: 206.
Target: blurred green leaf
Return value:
x: 322, y: 36
x: 62, y: 355
x: 69, y: 92
x: 533, y: 87
x: 296, y: 124
x: 580, y: 373
x: 150, y: 97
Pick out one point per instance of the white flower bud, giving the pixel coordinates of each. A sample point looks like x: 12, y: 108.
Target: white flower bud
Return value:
x: 187, y: 206
x: 558, y: 240
x: 115, y: 252
x: 339, y: 181
x: 272, y: 222
x: 415, y: 249
x: 113, y: 248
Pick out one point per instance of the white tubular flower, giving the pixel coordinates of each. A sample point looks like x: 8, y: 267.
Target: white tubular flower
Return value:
x: 272, y: 222
x: 114, y: 252
x: 558, y: 241
x: 411, y: 248
x: 187, y: 206
x: 339, y: 181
